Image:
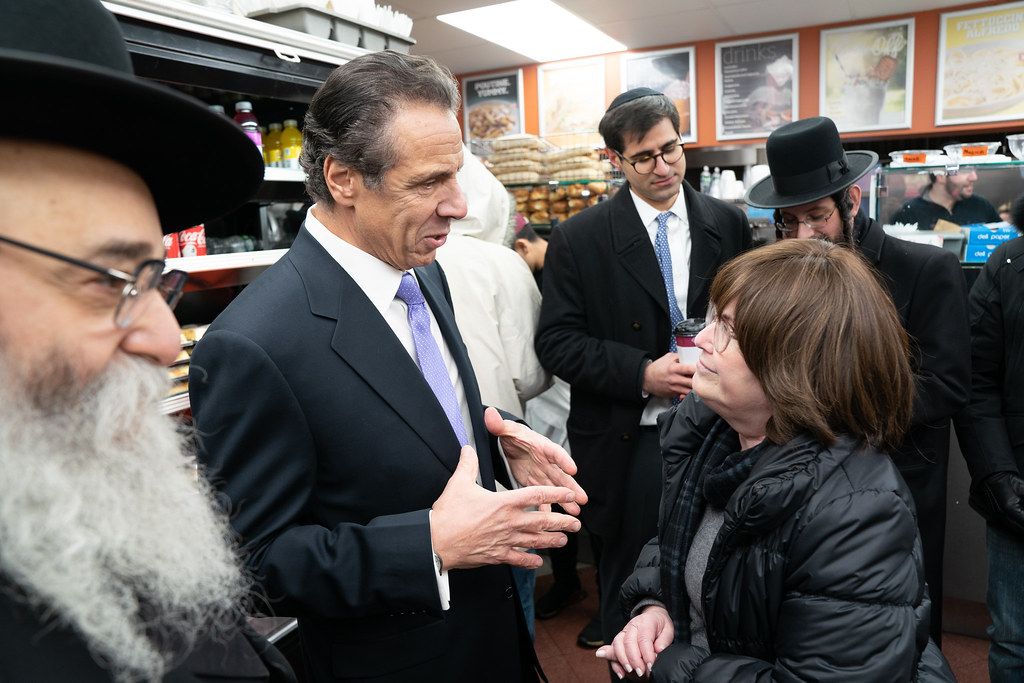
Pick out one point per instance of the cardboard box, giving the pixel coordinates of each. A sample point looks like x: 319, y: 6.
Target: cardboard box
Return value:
x: 983, y: 238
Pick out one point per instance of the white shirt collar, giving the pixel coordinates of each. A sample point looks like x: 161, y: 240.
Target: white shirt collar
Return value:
x: 378, y: 280
x: 649, y: 214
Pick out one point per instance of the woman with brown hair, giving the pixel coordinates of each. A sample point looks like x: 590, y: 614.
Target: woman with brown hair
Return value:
x: 787, y: 546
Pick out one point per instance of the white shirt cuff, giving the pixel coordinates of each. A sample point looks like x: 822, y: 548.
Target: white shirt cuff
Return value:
x: 443, y: 589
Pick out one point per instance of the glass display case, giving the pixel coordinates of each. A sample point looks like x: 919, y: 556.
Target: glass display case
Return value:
x: 893, y: 185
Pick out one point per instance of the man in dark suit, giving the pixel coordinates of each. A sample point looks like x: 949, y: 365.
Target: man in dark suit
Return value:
x: 334, y: 394
x: 617, y: 278
x: 812, y: 188
x: 114, y: 563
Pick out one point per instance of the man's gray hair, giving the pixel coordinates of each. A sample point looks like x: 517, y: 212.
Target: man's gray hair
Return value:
x: 350, y: 115
x: 632, y: 120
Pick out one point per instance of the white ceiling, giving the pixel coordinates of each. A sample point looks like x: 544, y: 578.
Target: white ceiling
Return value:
x: 645, y: 23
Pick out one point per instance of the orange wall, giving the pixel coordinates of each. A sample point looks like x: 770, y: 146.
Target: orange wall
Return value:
x: 926, y: 55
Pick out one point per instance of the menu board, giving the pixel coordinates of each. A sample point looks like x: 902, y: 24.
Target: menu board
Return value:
x: 756, y: 84
x: 493, y: 105
x: 981, y: 65
x: 572, y: 102
x: 670, y: 72
x: 867, y: 75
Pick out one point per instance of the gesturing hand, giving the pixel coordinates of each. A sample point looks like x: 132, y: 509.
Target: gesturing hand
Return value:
x: 636, y: 646
x: 471, y: 526
x: 534, y: 459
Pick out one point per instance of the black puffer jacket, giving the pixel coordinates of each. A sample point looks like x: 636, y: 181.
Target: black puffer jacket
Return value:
x: 816, y: 574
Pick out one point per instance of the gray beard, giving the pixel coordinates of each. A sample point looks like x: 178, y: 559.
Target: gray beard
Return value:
x: 101, y: 510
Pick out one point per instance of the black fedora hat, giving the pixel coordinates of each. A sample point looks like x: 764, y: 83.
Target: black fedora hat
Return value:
x: 68, y: 65
x: 807, y: 162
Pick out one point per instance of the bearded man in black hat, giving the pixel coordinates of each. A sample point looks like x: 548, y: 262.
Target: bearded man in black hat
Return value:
x: 813, y: 189
x: 115, y: 564
x: 618, y: 277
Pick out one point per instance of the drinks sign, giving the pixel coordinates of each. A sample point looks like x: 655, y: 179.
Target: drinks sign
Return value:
x: 867, y: 75
x: 756, y: 82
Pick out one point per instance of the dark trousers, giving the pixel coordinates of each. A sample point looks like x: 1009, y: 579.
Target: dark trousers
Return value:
x: 927, y: 484
x: 617, y: 551
x: 563, y: 560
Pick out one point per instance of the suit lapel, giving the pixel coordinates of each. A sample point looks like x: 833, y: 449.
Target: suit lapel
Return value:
x: 365, y: 341
x: 705, y: 248
x: 633, y: 246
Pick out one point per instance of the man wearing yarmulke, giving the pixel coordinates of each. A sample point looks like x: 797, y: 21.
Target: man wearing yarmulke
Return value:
x: 618, y: 277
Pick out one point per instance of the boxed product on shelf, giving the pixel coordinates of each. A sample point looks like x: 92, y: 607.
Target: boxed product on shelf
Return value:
x: 983, y: 238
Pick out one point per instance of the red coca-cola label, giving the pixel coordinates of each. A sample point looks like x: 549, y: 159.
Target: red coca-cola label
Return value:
x: 171, y: 247
x: 192, y: 241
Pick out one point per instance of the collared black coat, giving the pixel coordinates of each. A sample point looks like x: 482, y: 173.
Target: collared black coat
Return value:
x: 991, y: 428
x: 331, y: 447
x: 605, y: 313
x: 37, y: 649
x: 927, y: 286
x: 815, y: 575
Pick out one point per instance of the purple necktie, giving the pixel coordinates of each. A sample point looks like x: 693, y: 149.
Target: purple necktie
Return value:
x: 428, y: 355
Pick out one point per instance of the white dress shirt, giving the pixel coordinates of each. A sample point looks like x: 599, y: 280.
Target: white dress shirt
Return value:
x: 379, y: 281
x: 679, y: 248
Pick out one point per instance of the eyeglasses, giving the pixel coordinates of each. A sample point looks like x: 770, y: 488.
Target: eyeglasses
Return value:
x: 815, y: 221
x: 722, y: 334
x: 147, y: 277
x: 645, y: 163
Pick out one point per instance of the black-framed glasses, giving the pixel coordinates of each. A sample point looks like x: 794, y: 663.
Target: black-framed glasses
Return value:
x: 148, y: 276
x: 722, y: 334
x: 645, y: 163
x: 815, y: 221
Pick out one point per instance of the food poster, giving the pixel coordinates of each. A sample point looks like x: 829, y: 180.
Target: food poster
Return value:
x: 671, y: 72
x: 981, y: 65
x: 493, y: 105
x: 867, y: 75
x: 756, y: 84
x: 572, y: 102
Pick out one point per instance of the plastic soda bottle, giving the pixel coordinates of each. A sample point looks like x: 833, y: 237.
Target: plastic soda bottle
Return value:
x: 705, y: 180
x: 247, y: 120
x: 272, y: 146
x: 291, y: 144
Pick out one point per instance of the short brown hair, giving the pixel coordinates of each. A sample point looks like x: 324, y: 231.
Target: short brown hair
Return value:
x: 350, y: 115
x: 823, y: 338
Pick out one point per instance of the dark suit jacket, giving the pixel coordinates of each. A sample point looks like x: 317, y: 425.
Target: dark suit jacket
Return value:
x: 38, y: 650
x: 928, y: 288
x: 331, y: 447
x: 605, y: 313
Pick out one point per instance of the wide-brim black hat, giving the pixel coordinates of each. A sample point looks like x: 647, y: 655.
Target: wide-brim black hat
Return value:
x: 68, y: 65
x: 807, y: 162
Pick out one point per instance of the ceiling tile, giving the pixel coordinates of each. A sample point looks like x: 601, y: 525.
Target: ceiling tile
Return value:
x: 683, y: 27
x: 774, y: 15
x: 602, y: 11
x: 866, y: 9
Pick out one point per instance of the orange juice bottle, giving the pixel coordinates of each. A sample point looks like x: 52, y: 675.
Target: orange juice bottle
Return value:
x: 272, y: 146
x: 291, y: 144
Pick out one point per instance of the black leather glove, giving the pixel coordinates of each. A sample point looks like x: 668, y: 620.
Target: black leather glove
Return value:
x: 999, y: 498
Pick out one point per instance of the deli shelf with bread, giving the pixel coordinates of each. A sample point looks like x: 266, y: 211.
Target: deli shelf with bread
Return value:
x: 224, y: 270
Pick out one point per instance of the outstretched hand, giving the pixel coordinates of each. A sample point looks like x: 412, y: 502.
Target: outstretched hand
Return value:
x: 534, y: 459
x: 471, y: 526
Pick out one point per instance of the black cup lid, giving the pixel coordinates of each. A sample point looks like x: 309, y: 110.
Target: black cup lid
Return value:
x: 689, y: 327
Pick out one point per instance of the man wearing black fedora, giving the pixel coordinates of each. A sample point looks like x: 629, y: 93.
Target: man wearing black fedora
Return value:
x: 813, y: 189
x: 115, y: 563
x: 618, y: 277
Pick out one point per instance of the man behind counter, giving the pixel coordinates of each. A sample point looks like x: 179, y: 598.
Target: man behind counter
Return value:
x: 949, y: 197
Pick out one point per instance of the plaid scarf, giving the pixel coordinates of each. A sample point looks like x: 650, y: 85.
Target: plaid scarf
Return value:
x: 717, y: 470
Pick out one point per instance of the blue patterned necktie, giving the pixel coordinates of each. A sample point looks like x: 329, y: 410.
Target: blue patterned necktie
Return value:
x: 428, y: 355
x: 665, y: 261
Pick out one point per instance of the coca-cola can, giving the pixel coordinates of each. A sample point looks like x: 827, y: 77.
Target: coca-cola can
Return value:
x: 192, y: 241
x: 171, y: 247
